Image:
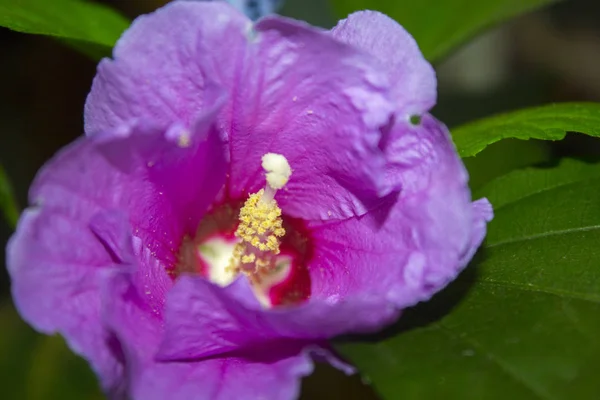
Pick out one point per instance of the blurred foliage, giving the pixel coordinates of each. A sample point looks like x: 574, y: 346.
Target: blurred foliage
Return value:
x: 522, y: 320
x: 441, y: 26
x: 8, y: 203
x: 315, y: 12
x: 87, y: 26
x: 36, y: 367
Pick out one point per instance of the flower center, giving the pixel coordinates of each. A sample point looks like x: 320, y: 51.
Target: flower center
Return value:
x: 259, y: 231
x: 255, y: 243
x: 261, y: 227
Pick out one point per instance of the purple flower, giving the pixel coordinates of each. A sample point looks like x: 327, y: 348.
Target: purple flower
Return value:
x: 154, y: 246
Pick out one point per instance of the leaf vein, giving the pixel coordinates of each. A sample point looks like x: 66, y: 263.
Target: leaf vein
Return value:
x: 496, y: 361
x: 543, y: 235
x: 538, y: 289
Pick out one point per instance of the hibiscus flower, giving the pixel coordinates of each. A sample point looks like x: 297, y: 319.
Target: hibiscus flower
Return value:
x: 244, y: 192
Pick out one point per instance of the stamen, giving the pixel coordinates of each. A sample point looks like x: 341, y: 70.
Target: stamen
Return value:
x: 260, y: 222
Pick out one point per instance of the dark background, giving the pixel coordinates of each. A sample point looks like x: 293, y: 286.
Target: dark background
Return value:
x: 546, y: 56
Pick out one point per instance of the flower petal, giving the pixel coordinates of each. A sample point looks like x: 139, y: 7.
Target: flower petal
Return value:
x: 319, y: 103
x: 127, y: 312
x: 56, y: 264
x: 271, y: 373
x: 202, y: 319
x: 179, y: 174
x: 87, y: 200
x: 157, y: 72
x: 413, y: 77
x: 418, y: 242
x: 227, y: 378
x: 163, y: 186
x: 482, y: 214
x: 291, y: 89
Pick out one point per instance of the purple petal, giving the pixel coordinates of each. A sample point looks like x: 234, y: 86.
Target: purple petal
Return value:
x: 164, y: 187
x: 202, y: 319
x: 482, y: 214
x: 228, y: 377
x: 88, y: 200
x: 272, y: 373
x: 413, y: 77
x: 418, y: 242
x: 157, y: 73
x: 292, y: 90
x: 179, y: 174
x: 56, y: 266
x: 112, y: 229
x: 127, y: 312
x: 319, y: 103
x: 325, y: 354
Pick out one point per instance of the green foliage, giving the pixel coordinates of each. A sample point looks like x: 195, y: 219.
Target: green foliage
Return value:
x: 550, y: 122
x: 82, y: 24
x: 37, y: 367
x: 441, y: 26
x: 493, y: 162
x: 8, y: 203
x: 522, y: 320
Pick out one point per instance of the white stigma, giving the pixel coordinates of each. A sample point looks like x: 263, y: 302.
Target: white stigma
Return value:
x: 278, y: 170
x: 278, y: 173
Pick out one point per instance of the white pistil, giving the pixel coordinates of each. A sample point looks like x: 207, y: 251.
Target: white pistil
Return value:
x: 278, y: 173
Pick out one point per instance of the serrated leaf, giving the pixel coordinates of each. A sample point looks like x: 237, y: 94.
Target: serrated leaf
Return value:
x: 80, y: 22
x: 523, y: 321
x: 8, y: 203
x: 550, y: 122
x: 441, y: 26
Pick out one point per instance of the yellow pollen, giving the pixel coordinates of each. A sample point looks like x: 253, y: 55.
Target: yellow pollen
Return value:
x: 260, y: 227
x: 259, y: 231
x: 247, y: 259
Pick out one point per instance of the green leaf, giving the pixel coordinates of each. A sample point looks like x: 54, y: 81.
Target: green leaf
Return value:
x: 16, y: 342
x: 55, y: 372
x: 8, y: 203
x: 441, y: 26
x: 492, y: 161
x: 39, y: 367
x: 502, y: 191
x: 81, y: 22
x: 550, y: 122
x: 523, y: 321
